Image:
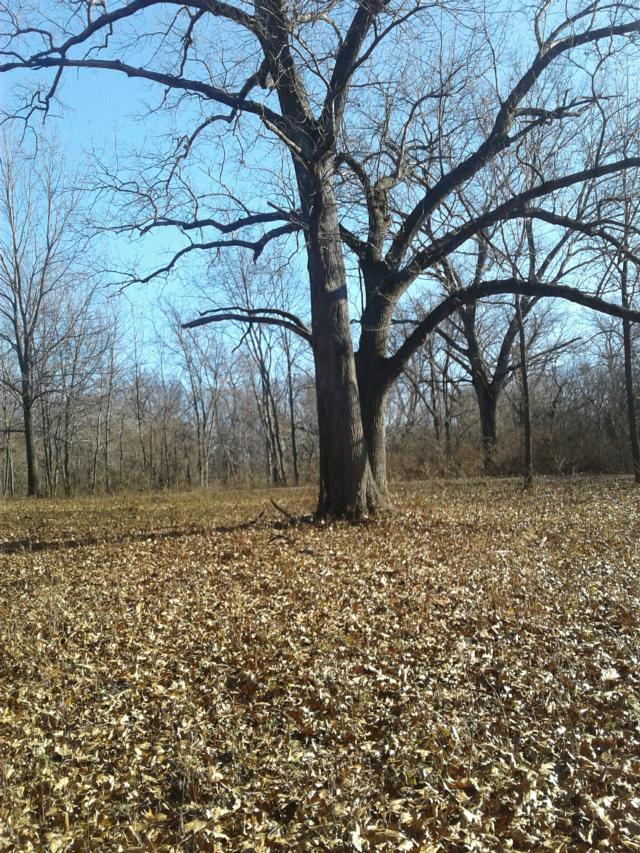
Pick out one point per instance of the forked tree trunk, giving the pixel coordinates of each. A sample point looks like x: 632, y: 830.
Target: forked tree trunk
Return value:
x: 347, y: 487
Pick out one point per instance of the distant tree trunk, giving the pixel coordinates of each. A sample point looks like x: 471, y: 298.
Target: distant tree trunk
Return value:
x: 275, y: 441
x: 8, y: 485
x: 433, y: 393
x: 96, y: 450
x: 267, y: 408
x: 487, y: 384
x: 165, y: 474
x: 107, y: 424
x: 151, y: 478
x: 10, y: 480
x: 66, y: 452
x: 188, y: 463
x: 47, y: 445
x: 121, y: 451
x: 139, y: 420
x: 292, y: 421
x: 292, y: 412
x: 628, y: 377
x: 526, y: 403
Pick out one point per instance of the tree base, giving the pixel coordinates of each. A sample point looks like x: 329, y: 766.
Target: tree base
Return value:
x: 354, y: 506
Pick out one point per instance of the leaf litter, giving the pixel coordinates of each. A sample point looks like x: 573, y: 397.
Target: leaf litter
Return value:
x: 459, y: 675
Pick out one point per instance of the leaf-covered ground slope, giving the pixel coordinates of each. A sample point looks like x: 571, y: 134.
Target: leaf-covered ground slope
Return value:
x: 462, y: 675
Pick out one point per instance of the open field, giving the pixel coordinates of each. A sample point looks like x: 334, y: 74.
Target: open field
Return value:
x: 462, y: 675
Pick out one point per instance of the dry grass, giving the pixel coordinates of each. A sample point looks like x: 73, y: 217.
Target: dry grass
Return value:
x: 462, y: 675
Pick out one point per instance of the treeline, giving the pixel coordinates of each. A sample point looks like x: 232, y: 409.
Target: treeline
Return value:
x: 110, y: 413
x: 578, y: 412
x: 221, y: 406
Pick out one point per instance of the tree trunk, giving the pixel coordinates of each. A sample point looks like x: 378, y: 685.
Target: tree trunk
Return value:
x: 121, y: 451
x: 628, y: 378
x: 347, y: 486
x: 487, y: 406
x: 292, y: 414
x: 107, y: 424
x: 526, y: 403
x: 33, y: 483
x: 374, y: 382
x: 96, y: 451
x: 373, y: 399
x: 66, y: 453
x: 11, y: 478
x: 630, y: 395
x: 47, y: 446
x: 7, y: 480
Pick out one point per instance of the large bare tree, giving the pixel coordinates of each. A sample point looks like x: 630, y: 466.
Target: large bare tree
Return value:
x: 364, y: 128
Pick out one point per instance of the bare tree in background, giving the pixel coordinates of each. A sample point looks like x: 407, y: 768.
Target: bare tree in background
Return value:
x: 40, y: 254
x: 427, y: 393
x: 10, y: 418
x: 628, y: 289
x: 204, y: 364
x: 622, y: 274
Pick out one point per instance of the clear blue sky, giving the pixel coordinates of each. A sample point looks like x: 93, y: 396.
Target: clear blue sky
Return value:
x: 101, y: 112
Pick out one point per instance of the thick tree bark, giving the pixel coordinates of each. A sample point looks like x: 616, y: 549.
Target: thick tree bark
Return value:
x: 488, y: 408
x: 373, y: 399
x: 347, y: 487
x: 33, y: 480
x: 346, y: 482
x: 373, y: 382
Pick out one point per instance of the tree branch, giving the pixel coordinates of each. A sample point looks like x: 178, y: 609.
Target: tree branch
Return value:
x: 498, y: 138
x: 263, y: 316
x: 256, y: 246
x: 395, y: 363
x: 516, y: 207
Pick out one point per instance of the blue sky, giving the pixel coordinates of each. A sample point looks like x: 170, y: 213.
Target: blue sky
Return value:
x: 104, y: 112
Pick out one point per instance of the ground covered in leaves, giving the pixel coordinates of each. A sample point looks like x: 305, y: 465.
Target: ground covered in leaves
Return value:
x: 461, y: 675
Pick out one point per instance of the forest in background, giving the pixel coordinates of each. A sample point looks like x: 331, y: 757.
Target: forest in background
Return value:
x: 115, y: 408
